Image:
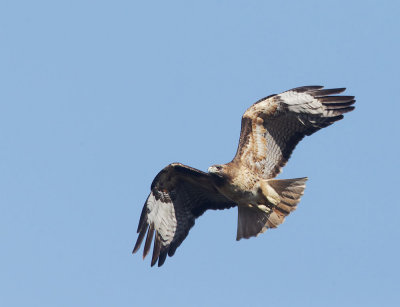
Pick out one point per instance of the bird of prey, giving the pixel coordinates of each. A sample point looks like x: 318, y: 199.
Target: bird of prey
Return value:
x: 271, y: 128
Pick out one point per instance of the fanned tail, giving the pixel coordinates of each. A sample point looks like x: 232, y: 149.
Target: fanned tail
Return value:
x: 253, y: 221
x: 290, y: 192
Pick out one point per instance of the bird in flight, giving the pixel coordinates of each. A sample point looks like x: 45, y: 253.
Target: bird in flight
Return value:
x: 271, y: 129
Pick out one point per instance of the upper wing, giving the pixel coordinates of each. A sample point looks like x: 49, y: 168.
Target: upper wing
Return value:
x: 179, y: 194
x: 273, y: 126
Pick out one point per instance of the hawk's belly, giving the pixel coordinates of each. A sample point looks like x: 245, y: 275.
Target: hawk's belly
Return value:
x: 244, y: 195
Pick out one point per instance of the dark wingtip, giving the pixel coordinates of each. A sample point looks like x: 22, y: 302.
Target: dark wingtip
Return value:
x: 336, y: 118
x: 306, y: 88
x: 347, y: 109
x: 143, y: 215
x: 156, y: 249
x: 149, y: 238
x: 162, y: 257
x: 335, y: 99
x: 139, y: 240
x: 338, y: 105
x: 330, y: 91
x: 338, y: 110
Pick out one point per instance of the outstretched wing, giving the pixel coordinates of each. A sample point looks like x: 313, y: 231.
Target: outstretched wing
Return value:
x: 273, y: 126
x: 179, y: 194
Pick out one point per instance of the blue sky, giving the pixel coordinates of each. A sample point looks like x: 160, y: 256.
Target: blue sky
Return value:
x: 97, y: 96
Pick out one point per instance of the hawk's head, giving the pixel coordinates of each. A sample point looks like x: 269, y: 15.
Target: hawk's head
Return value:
x: 217, y: 170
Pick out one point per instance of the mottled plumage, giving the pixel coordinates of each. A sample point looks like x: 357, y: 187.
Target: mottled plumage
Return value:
x: 271, y: 129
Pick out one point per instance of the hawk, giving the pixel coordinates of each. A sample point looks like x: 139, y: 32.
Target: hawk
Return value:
x: 271, y: 128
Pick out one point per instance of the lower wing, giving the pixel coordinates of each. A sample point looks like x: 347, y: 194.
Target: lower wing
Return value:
x: 179, y: 194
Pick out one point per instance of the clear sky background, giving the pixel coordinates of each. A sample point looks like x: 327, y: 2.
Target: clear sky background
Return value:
x: 97, y: 96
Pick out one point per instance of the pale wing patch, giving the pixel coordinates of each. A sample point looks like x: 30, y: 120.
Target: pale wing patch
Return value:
x: 162, y: 216
x: 295, y: 98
